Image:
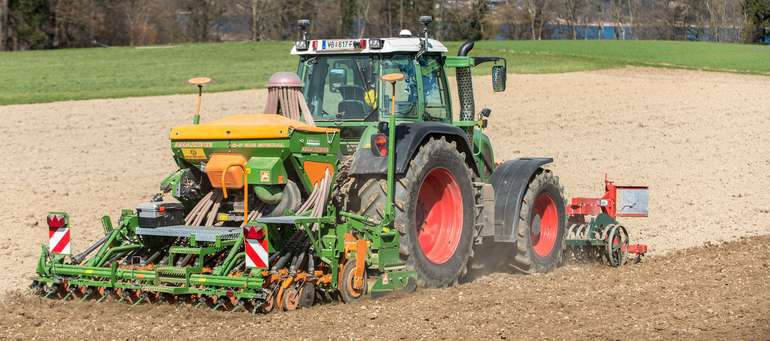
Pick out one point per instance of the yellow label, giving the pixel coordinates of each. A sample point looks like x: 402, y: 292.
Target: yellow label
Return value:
x: 223, y: 217
x: 193, y: 144
x: 193, y: 153
x: 318, y: 150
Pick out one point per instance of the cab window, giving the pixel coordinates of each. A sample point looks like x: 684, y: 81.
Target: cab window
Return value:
x: 340, y: 85
x: 406, y: 90
x: 433, y: 88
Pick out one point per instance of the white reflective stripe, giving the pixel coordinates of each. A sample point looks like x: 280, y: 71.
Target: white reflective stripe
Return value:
x: 256, y: 245
x: 262, y: 253
x: 250, y: 262
x: 56, y: 238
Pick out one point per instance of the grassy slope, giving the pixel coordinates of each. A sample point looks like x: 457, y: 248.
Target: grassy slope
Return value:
x: 754, y: 59
x: 45, y: 76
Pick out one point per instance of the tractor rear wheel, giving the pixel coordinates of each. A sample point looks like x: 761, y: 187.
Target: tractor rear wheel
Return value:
x: 434, y: 205
x: 541, y: 226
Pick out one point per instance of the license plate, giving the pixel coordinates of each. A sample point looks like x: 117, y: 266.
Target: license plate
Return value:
x: 193, y: 153
x: 338, y: 45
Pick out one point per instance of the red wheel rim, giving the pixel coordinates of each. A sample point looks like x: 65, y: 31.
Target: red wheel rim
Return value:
x: 544, y: 226
x: 439, y: 215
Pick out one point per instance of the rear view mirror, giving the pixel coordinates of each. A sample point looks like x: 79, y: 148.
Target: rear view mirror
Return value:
x: 337, y: 78
x: 499, y: 77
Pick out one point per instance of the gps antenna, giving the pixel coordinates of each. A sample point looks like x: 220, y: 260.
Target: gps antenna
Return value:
x: 425, y: 20
x: 199, y: 82
x: 303, y: 24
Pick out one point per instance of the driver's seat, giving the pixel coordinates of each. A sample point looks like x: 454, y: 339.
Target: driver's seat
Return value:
x: 352, y: 109
x: 350, y: 92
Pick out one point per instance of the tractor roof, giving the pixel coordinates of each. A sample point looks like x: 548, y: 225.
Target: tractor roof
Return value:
x: 353, y: 46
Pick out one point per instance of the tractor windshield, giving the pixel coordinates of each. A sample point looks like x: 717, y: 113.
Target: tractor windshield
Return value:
x: 348, y: 87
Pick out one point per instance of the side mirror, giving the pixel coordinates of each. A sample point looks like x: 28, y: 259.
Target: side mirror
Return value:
x: 337, y: 78
x: 485, y: 116
x: 499, y: 77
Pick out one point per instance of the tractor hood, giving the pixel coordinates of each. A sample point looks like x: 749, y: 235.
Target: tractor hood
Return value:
x: 244, y: 126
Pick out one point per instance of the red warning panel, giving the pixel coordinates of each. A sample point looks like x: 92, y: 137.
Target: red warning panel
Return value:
x: 255, y: 243
x: 59, y: 234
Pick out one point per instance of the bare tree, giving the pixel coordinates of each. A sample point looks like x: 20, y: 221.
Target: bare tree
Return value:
x: 572, y: 8
x: 138, y: 14
x: 363, y: 7
x: 717, y: 10
x: 618, y: 14
x: 254, y: 9
x: 634, y: 7
x: 75, y: 23
x: 537, y: 16
x: 254, y: 20
x: 3, y: 23
x: 202, y: 15
x: 347, y: 16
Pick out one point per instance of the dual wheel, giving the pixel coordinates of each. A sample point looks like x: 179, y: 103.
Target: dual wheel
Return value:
x: 435, y: 215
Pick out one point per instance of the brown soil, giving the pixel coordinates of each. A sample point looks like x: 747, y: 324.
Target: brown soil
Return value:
x: 698, y: 139
x: 712, y: 292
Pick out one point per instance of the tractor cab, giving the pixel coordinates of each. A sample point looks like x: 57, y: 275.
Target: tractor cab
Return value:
x: 343, y: 87
x: 343, y: 84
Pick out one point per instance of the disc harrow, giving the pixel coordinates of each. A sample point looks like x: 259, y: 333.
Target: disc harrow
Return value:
x: 593, y: 233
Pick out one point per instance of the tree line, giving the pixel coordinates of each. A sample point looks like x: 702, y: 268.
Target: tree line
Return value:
x: 42, y: 24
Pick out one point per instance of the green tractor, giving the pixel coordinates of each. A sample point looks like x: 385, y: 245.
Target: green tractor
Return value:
x: 360, y: 179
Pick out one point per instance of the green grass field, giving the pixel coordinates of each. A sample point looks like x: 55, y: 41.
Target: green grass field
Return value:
x: 74, y: 74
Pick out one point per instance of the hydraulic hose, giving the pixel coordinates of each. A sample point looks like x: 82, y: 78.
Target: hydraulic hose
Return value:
x: 281, y: 262
x: 81, y: 256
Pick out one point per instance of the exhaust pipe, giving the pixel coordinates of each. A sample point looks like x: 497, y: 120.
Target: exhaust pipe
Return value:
x: 465, y: 85
x: 465, y: 48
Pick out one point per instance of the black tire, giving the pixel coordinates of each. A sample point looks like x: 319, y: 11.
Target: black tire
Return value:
x: 526, y: 258
x: 307, y: 295
x: 368, y: 198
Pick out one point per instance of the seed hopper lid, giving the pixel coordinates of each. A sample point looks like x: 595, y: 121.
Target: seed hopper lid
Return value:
x: 244, y: 126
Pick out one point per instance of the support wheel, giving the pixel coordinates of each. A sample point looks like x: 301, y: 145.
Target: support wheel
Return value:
x: 617, y: 246
x: 541, y: 226
x: 348, y: 292
x: 306, y: 295
x: 269, y: 305
x: 290, y: 298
